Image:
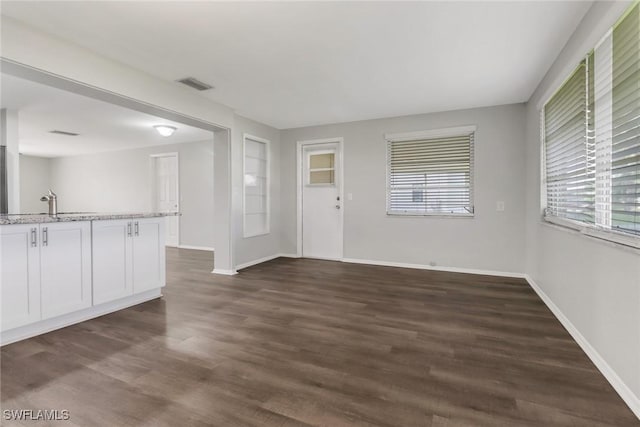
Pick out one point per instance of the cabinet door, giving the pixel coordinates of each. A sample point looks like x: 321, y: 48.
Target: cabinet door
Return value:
x: 148, y: 254
x: 19, y: 275
x: 65, y: 267
x: 112, y: 260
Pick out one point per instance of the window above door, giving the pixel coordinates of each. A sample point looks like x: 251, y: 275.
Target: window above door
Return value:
x: 321, y: 168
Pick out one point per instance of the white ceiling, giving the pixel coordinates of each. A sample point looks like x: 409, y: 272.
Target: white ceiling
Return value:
x: 297, y: 64
x: 102, y: 126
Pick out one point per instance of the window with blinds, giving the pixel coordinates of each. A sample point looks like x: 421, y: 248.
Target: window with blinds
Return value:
x: 625, y: 126
x: 569, y: 180
x: 431, y: 173
x: 256, y: 186
x: 591, y: 131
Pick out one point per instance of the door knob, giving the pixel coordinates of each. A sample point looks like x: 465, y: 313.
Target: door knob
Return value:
x: 337, y: 206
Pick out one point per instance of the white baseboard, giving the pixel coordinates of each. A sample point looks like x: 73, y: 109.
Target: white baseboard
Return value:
x: 323, y: 258
x: 48, y: 325
x: 257, y: 261
x: 252, y: 263
x: 197, y: 248
x: 224, y: 272
x: 392, y: 264
x: 629, y: 397
x: 289, y: 255
x: 436, y: 268
x: 265, y: 259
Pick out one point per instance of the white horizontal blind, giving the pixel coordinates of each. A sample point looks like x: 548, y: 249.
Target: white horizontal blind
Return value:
x: 625, y: 149
x: 431, y: 176
x: 256, y: 187
x: 591, y: 130
x: 570, y: 181
x: 603, y: 132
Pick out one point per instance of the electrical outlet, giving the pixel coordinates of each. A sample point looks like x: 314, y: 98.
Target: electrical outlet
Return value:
x: 349, y: 196
x: 500, y: 206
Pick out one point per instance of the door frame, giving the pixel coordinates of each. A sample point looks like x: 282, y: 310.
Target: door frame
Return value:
x: 299, y: 183
x: 154, y: 158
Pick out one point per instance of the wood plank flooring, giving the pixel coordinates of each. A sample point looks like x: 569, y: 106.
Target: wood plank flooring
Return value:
x: 306, y: 342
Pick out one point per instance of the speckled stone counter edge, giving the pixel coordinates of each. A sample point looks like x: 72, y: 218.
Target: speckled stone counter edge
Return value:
x: 44, y: 218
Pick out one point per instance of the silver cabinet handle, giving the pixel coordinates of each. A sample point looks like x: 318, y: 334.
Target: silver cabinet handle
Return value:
x: 45, y: 236
x: 34, y: 237
x: 129, y: 229
x: 137, y: 228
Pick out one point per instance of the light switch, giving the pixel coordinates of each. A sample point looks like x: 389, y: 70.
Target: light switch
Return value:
x: 349, y: 196
x: 500, y: 206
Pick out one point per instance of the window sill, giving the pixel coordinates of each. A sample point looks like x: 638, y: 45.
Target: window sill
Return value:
x: 430, y: 215
x: 612, y: 237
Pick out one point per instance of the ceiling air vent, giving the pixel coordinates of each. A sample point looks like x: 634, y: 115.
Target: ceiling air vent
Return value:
x: 195, y: 83
x: 62, y: 132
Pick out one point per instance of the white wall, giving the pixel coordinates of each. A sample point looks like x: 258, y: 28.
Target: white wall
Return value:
x: 122, y: 181
x: 490, y: 241
x: 595, y: 284
x: 35, y: 181
x: 197, y: 196
x: 249, y: 249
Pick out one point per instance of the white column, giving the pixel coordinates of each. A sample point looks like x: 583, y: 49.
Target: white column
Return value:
x: 223, y: 231
x: 9, y: 137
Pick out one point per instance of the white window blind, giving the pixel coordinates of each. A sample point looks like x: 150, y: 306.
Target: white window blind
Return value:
x: 256, y: 186
x: 430, y: 175
x: 570, y: 185
x: 591, y: 131
x: 603, y: 62
x: 625, y: 147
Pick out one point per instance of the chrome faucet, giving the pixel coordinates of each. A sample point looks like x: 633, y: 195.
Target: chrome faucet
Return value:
x: 52, y: 198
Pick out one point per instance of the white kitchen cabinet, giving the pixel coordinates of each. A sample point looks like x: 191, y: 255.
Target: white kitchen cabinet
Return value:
x: 148, y: 254
x: 19, y: 275
x: 112, y: 264
x: 57, y: 273
x: 65, y: 267
x: 128, y: 257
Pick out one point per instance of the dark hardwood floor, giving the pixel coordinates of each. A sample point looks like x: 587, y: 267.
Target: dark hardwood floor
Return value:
x: 307, y: 342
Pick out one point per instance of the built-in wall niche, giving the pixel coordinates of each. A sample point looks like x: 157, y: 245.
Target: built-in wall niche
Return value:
x: 256, y: 186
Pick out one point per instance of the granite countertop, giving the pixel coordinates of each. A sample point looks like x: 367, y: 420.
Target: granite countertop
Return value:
x: 77, y: 216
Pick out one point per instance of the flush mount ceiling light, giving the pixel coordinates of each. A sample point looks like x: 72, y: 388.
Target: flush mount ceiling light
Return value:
x: 165, y: 130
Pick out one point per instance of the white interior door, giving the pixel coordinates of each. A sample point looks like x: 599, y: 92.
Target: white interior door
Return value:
x: 168, y: 194
x: 321, y: 201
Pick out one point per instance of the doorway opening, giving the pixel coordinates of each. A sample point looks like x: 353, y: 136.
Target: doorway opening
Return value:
x: 214, y: 140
